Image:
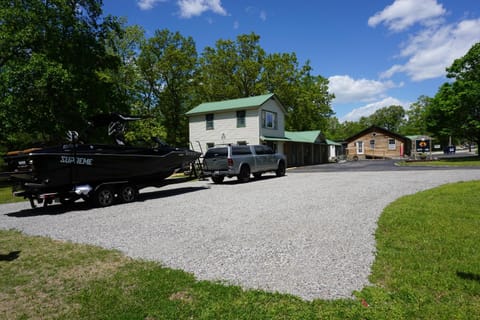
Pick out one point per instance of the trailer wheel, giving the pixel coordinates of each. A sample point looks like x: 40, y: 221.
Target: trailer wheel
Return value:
x: 217, y: 179
x: 103, y: 196
x: 128, y: 193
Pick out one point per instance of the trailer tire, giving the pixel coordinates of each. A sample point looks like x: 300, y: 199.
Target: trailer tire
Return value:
x: 104, y: 196
x: 128, y: 193
x: 217, y: 179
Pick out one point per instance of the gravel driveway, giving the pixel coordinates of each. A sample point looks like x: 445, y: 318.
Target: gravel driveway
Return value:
x: 306, y: 234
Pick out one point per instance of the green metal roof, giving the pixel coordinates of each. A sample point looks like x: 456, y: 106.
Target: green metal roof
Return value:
x: 226, y: 105
x: 332, y: 143
x: 269, y: 138
x: 303, y: 136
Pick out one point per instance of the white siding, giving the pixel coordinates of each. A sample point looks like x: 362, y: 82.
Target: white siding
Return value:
x: 272, y: 106
x: 224, y: 129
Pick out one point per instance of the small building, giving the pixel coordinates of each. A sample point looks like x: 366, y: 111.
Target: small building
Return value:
x: 377, y: 143
x: 305, y: 148
x: 254, y: 120
x: 421, y: 146
x: 335, y: 150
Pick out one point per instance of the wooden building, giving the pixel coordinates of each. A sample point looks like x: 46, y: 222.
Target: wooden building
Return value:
x: 377, y: 143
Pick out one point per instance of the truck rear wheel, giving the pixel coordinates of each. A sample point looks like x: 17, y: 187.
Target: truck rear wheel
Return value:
x: 244, y: 175
x: 281, y: 169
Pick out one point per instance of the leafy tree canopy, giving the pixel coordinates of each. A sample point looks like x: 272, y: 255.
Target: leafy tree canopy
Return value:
x: 455, y: 109
x: 51, y: 55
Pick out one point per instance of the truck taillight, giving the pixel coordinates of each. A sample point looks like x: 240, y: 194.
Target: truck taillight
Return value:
x: 230, y: 162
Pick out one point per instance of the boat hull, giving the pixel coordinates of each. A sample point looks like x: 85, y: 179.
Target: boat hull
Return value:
x: 51, y: 169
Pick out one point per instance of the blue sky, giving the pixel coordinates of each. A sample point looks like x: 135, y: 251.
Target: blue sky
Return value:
x: 374, y: 53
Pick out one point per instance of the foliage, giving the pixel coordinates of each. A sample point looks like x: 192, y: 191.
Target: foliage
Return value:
x: 424, y: 269
x: 167, y: 63
x: 416, y: 123
x: 51, y: 56
x: 231, y: 70
x: 6, y: 195
x: 241, y: 68
x: 390, y: 118
x: 455, y: 109
x: 311, y: 107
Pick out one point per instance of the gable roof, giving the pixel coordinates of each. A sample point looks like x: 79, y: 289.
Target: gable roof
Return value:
x: 377, y: 129
x: 303, y: 136
x: 233, y: 104
x: 332, y: 143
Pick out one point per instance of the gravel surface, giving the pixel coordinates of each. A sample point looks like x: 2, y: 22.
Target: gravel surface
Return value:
x: 306, y: 234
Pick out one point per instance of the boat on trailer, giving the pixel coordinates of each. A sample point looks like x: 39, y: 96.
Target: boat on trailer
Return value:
x: 98, y: 173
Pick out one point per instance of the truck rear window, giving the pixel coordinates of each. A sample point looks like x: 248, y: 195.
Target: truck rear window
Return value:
x: 240, y: 150
x: 216, y: 152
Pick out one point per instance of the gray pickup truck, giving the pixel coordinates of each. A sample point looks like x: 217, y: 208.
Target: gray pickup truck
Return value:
x: 241, y: 161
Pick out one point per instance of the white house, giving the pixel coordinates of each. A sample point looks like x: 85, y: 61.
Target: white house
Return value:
x: 252, y: 120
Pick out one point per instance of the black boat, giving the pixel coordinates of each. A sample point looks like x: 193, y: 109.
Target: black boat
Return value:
x: 98, y: 173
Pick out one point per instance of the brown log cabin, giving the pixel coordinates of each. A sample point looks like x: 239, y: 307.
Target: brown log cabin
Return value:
x: 377, y: 143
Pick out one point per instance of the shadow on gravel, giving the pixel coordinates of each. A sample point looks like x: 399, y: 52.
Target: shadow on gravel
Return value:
x: 56, y: 209
x: 50, y: 210
x: 234, y: 180
x: 168, y: 193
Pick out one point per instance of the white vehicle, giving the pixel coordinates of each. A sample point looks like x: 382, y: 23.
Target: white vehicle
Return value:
x: 242, y: 161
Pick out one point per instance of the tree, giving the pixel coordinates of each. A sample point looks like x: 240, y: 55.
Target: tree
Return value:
x: 241, y: 68
x: 125, y: 43
x: 455, y: 109
x: 390, y: 118
x: 311, y: 108
x: 52, y: 54
x: 167, y: 63
x: 231, y: 70
x: 416, y: 123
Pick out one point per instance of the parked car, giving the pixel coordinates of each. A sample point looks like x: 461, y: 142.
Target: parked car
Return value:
x: 242, y: 161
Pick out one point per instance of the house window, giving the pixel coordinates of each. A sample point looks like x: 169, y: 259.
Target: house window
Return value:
x: 241, y: 119
x: 242, y: 143
x: 372, y: 144
x: 209, y: 121
x: 391, y: 144
x: 210, y: 145
x: 269, y: 119
x: 360, y: 147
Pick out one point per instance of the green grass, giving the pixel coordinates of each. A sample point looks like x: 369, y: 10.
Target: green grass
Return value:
x: 6, y: 195
x: 450, y: 162
x: 427, y: 267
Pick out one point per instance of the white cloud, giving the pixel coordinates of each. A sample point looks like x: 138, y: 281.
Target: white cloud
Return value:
x: 434, y: 49
x: 347, y: 89
x: 255, y: 11
x: 147, y: 4
x: 263, y: 15
x: 369, y: 109
x: 404, y: 13
x: 191, y: 8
